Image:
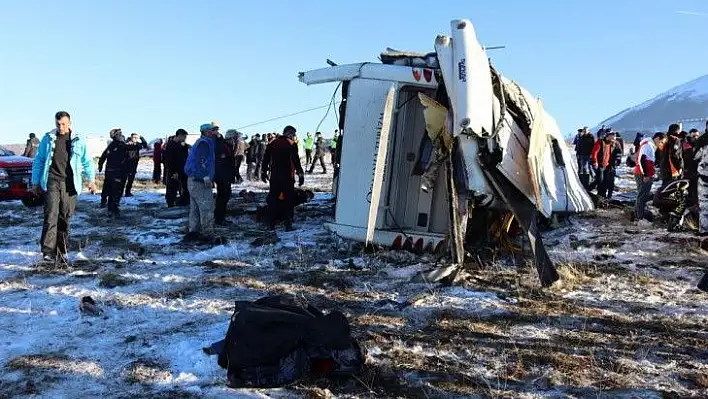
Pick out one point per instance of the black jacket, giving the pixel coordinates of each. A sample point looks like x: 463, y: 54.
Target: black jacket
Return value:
x: 175, y: 156
x: 585, y: 144
x: 116, y: 156
x: 224, y: 160
x: 133, y: 151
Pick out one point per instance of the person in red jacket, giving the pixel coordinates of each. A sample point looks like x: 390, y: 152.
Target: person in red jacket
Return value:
x: 281, y: 159
x: 606, y: 156
x: 157, y: 162
x: 645, y: 172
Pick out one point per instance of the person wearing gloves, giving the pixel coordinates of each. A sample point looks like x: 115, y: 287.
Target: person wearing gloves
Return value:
x: 282, y: 160
x: 61, y: 160
x: 200, y: 170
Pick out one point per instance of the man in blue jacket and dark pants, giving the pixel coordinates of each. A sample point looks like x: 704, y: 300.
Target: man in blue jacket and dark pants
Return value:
x: 200, y: 171
x: 61, y: 158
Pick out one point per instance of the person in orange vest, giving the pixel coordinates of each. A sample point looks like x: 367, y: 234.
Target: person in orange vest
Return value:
x: 606, y: 156
x: 671, y: 165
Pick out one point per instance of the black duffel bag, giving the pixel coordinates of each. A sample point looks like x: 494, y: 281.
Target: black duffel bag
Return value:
x: 275, y: 341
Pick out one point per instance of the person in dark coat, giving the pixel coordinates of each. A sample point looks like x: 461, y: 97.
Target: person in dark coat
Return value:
x: 223, y: 177
x: 260, y: 153
x: 606, y: 156
x: 691, y: 165
x: 175, y: 157
x: 31, y: 146
x: 157, y: 162
x: 137, y: 143
x: 282, y: 161
x: 320, y: 151
x: 251, y: 151
x: 117, y: 165
x: 671, y: 165
x: 583, y: 150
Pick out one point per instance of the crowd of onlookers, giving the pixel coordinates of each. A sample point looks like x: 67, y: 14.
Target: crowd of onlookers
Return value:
x: 190, y: 173
x: 675, y: 158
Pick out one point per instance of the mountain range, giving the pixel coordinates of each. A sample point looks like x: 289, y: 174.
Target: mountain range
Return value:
x: 686, y: 103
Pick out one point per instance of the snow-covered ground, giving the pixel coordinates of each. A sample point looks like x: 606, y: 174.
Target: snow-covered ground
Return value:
x: 626, y: 320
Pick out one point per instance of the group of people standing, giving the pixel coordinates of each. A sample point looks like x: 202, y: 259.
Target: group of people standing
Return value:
x: 316, y: 149
x: 682, y: 162
x: 63, y: 163
x: 212, y: 160
x: 677, y: 158
x: 598, y: 158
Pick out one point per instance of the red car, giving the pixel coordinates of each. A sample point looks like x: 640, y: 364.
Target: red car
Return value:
x: 15, y: 178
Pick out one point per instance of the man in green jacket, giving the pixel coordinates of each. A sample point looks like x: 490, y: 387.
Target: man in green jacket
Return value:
x: 333, y: 147
x: 309, y: 141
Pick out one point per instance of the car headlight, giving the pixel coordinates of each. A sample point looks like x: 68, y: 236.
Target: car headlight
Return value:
x: 3, y: 174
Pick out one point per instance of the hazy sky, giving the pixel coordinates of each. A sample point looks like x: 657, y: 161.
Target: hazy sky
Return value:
x: 155, y: 66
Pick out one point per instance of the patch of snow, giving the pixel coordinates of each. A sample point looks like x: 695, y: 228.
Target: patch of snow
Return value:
x: 406, y: 272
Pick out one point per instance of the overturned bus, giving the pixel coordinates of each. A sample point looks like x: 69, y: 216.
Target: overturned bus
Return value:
x: 432, y: 140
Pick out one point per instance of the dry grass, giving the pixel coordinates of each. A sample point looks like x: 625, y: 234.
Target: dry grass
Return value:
x: 57, y: 362
x: 573, y: 276
x: 147, y: 371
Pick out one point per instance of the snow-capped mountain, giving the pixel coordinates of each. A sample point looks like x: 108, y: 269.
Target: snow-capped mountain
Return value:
x: 687, y: 103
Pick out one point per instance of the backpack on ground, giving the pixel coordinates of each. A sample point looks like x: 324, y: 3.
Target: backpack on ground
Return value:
x: 275, y: 341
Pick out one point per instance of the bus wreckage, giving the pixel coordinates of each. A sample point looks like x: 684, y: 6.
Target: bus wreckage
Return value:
x: 436, y: 145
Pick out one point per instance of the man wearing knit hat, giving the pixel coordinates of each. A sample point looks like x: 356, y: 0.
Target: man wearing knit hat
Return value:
x: 200, y: 170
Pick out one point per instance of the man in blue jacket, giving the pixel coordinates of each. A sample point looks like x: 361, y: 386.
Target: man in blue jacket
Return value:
x: 200, y: 171
x: 61, y: 159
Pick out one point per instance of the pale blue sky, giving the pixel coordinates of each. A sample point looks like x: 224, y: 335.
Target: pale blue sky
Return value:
x: 153, y: 66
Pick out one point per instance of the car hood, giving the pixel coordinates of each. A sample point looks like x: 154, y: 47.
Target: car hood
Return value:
x: 15, y: 161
